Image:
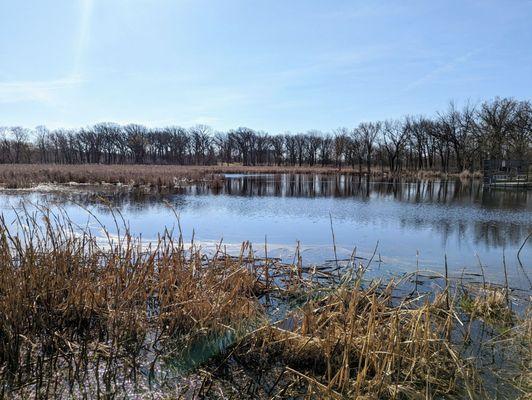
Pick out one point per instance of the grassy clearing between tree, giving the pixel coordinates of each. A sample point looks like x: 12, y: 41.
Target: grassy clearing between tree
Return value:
x: 13, y: 176
x: 114, y: 317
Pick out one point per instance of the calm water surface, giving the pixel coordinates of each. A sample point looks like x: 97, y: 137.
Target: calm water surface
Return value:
x: 413, y: 222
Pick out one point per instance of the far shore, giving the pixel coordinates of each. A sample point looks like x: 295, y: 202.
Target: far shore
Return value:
x: 14, y: 176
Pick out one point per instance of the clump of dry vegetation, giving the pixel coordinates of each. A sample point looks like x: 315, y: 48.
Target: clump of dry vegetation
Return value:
x: 489, y: 302
x: 356, y: 343
x: 82, y: 316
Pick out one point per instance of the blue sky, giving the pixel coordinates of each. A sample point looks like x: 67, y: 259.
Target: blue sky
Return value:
x: 271, y: 65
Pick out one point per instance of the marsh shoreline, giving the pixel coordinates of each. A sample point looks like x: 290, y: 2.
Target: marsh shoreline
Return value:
x: 14, y: 176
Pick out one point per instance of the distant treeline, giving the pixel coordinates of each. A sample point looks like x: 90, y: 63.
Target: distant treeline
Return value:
x: 451, y: 141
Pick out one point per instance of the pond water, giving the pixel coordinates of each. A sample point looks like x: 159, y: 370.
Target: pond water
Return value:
x: 412, y: 224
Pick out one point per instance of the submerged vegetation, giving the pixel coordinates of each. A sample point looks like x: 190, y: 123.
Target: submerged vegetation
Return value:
x: 88, y: 316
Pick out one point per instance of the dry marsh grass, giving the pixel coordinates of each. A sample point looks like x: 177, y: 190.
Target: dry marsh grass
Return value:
x: 70, y: 303
x: 163, y: 176
x: 86, y: 317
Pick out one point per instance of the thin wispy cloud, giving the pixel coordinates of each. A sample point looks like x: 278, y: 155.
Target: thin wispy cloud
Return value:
x: 338, y: 62
x: 36, y: 91
x: 442, y: 70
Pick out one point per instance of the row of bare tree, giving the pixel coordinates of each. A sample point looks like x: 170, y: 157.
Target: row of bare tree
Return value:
x: 454, y: 140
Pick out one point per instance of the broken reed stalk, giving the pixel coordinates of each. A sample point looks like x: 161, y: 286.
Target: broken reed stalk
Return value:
x: 506, y: 286
x: 333, y: 240
x: 266, y: 267
x: 446, y: 282
x: 521, y: 262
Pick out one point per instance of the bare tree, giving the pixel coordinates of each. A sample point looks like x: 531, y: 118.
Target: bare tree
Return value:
x: 136, y: 141
x: 244, y: 139
x: 5, y: 146
x: 497, y: 121
x: 291, y: 148
x: 520, y: 138
x: 368, y: 133
x: 106, y: 135
x: 42, y: 137
x: 200, y: 142
x: 326, y: 150
x: 262, y: 148
x: 277, y: 145
x: 394, y: 140
x: 20, y: 139
x: 314, y: 139
x: 225, y: 146
x: 339, y: 143
x: 300, y: 142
